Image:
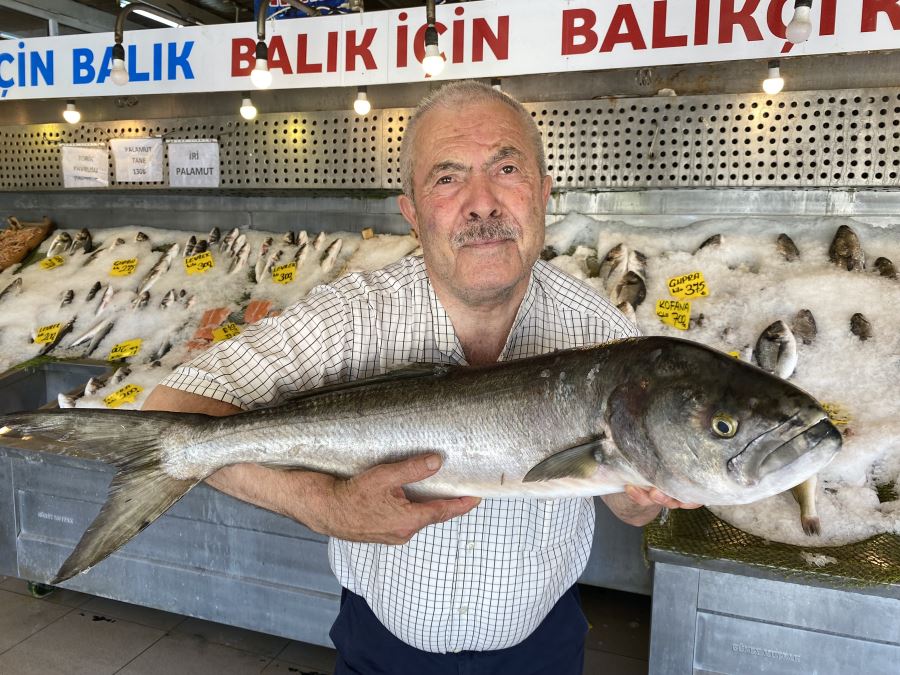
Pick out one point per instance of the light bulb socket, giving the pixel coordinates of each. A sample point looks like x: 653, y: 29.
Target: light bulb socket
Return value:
x: 431, y: 37
x: 70, y: 104
x: 262, y: 51
x: 362, y: 91
x: 118, y: 52
x: 774, y: 68
x: 802, y: 3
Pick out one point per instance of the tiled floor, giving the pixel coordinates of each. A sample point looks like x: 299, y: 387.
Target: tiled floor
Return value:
x: 69, y: 633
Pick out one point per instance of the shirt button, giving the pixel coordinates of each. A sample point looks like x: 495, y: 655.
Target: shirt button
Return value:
x: 471, y: 545
x: 463, y: 610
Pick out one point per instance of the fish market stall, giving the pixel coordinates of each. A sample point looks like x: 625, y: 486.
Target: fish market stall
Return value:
x: 766, y: 226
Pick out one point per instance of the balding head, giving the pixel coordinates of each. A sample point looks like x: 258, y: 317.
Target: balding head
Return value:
x: 455, y: 96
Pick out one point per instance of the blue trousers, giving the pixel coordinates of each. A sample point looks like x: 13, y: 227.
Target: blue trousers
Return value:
x: 366, y: 647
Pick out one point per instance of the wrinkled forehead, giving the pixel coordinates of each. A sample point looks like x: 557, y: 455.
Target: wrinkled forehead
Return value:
x: 468, y: 133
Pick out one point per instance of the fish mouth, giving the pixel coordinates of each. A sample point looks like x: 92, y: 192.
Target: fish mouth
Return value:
x: 818, y: 440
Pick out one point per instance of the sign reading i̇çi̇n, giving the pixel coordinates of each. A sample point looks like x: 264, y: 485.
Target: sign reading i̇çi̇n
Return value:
x: 490, y: 38
x: 137, y: 160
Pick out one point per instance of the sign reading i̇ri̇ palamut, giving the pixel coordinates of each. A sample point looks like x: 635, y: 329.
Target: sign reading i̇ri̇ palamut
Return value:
x: 137, y: 160
x: 490, y: 38
x: 193, y: 163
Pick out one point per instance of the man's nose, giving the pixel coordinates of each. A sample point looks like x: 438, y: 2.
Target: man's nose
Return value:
x: 481, y: 198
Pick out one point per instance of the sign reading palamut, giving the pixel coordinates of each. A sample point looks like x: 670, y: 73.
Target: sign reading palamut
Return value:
x: 491, y: 38
x: 137, y: 160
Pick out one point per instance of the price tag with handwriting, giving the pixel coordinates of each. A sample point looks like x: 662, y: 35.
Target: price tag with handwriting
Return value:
x: 126, y: 394
x: 47, y: 334
x: 123, y: 268
x: 125, y: 349
x: 229, y: 330
x: 674, y: 313
x: 688, y: 286
x: 200, y: 263
x: 284, y: 274
x: 52, y: 263
x: 836, y: 413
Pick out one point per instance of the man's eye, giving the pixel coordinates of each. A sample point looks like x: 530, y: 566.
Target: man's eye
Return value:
x: 444, y: 180
x: 508, y: 169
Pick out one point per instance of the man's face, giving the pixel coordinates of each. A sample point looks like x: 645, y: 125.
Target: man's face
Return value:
x: 479, y: 201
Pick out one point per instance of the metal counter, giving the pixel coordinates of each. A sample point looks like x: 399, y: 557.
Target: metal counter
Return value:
x: 724, y: 616
x: 210, y: 556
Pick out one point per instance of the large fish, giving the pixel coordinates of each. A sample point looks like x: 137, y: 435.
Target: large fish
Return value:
x: 696, y: 423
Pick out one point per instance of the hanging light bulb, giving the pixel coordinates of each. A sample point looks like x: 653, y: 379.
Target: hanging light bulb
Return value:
x: 71, y: 114
x: 118, y: 74
x: 774, y: 83
x: 248, y: 110
x: 496, y: 85
x: 433, y: 63
x: 361, y: 105
x: 800, y: 27
x: 261, y: 76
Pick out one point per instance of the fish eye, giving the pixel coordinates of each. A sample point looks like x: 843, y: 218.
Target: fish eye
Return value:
x: 724, y: 425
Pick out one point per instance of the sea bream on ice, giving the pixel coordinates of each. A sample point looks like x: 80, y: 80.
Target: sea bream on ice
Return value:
x: 698, y: 424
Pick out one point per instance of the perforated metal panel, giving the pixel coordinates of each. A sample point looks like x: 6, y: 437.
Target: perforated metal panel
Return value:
x: 837, y: 139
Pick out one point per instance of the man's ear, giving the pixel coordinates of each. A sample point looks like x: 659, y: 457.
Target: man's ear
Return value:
x: 546, y: 185
x: 408, y: 209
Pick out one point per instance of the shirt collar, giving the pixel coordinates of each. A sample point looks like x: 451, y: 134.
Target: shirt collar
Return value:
x: 445, y: 338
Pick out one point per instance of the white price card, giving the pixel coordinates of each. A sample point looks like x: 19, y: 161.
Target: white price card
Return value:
x: 84, y: 166
x: 137, y: 160
x: 193, y: 163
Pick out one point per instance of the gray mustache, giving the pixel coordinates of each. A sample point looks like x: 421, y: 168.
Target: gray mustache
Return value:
x: 482, y: 230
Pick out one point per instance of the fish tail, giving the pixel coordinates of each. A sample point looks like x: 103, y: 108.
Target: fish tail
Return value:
x: 141, y: 490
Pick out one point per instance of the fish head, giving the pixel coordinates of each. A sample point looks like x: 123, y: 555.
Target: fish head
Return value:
x: 707, y: 428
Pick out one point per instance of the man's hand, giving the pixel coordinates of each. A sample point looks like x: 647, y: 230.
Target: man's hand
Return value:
x: 638, y: 506
x: 653, y: 497
x: 373, y: 508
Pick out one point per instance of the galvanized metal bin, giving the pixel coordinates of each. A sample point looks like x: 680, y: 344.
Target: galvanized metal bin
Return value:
x: 210, y: 556
x: 717, y: 616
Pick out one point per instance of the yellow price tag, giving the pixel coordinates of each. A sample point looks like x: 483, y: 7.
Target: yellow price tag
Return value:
x: 125, y: 349
x: 51, y: 263
x: 284, y: 274
x: 47, y: 334
x: 197, y: 264
x: 674, y: 313
x: 123, y: 268
x: 836, y: 414
x: 688, y: 286
x: 735, y: 355
x: 126, y: 394
x: 229, y: 330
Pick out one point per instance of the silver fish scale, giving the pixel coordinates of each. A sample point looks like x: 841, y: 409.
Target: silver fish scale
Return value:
x: 342, y: 432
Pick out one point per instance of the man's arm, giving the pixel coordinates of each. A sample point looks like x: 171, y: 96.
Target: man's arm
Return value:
x: 638, y: 506
x: 370, y: 507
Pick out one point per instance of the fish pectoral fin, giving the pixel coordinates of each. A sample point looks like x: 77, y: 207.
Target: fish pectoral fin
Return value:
x: 579, y: 461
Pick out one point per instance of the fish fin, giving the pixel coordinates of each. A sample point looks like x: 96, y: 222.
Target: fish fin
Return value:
x: 805, y: 494
x: 404, y: 372
x: 130, y: 440
x: 579, y: 461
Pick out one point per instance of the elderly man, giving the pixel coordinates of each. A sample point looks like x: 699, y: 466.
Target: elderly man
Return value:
x: 451, y: 584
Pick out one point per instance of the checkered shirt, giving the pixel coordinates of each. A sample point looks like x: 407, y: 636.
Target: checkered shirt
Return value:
x: 484, y: 580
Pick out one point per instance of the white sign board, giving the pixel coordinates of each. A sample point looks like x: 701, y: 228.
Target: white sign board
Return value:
x: 490, y: 38
x: 194, y: 164
x: 85, y: 166
x: 137, y: 160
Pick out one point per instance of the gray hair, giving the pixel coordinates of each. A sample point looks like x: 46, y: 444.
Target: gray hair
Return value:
x: 457, y: 95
